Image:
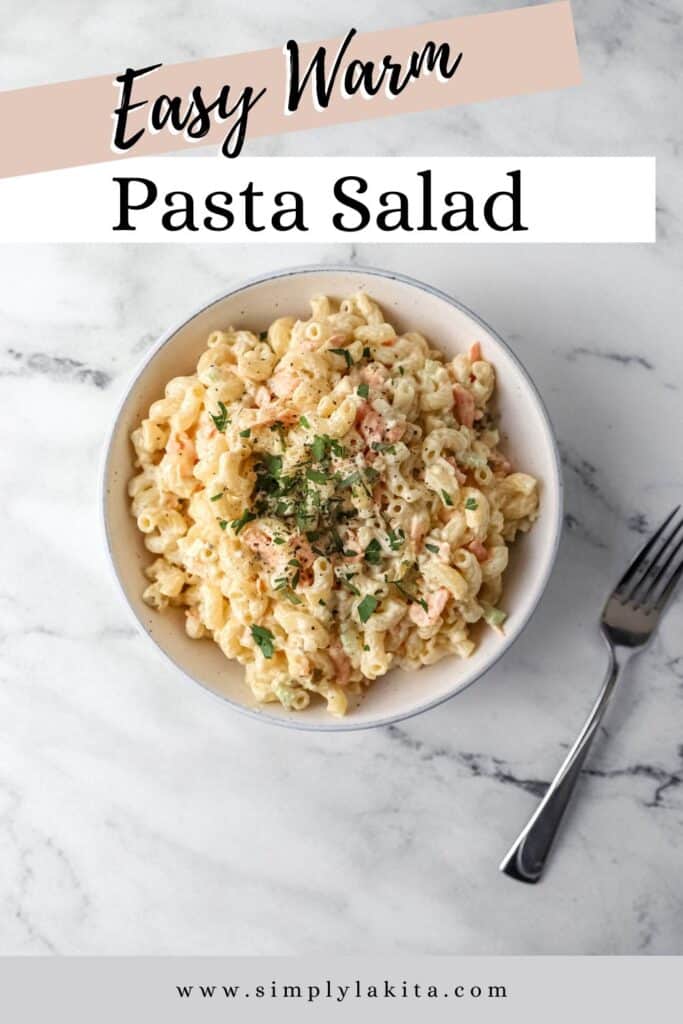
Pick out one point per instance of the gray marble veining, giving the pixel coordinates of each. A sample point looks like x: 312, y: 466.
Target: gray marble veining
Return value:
x: 138, y: 814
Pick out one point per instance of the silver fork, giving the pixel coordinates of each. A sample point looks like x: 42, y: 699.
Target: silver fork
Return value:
x: 629, y: 619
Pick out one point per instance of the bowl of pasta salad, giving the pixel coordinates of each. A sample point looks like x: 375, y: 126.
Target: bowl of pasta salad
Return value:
x: 332, y: 497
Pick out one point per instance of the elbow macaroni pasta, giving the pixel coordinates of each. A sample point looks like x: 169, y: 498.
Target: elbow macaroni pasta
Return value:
x: 327, y: 500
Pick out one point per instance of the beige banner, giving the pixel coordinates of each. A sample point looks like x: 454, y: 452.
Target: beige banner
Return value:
x: 526, y: 50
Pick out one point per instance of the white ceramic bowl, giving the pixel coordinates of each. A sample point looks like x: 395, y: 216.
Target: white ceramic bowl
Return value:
x: 451, y: 328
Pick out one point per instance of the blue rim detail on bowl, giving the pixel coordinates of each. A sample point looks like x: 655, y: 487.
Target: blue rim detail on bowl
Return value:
x: 344, y: 724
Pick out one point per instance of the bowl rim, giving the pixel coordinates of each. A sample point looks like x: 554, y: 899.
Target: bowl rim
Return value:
x: 346, y: 724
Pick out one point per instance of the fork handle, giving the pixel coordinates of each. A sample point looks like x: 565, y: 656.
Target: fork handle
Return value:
x: 528, y: 855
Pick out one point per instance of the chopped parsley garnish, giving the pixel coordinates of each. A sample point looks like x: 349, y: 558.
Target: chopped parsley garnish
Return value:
x: 344, y: 353
x: 447, y: 500
x: 356, y: 478
x: 367, y: 354
x: 380, y: 446
x: 216, y: 496
x: 404, y: 586
x: 433, y: 548
x: 294, y: 563
x: 239, y: 524
x: 263, y: 638
x: 245, y: 433
x: 396, y: 539
x: 266, y: 482
x: 373, y: 552
x: 401, y: 370
x: 222, y: 523
x: 283, y: 584
x: 471, y: 504
x: 371, y: 474
x: 273, y: 464
x: 323, y: 445
x: 365, y: 647
x: 303, y: 421
x: 346, y: 580
x: 318, y: 448
x: 221, y: 418
x: 367, y: 607
x: 303, y: 519
x: 278, y: 540
x: 295, y: 496
x: 411, y: 597
x: 350, y: 480
x: 363, y: 390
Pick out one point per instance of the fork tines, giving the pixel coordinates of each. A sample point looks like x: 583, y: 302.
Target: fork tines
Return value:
x: 653, y: 574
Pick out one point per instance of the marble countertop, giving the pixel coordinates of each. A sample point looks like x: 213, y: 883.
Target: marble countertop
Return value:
x: 137, y: 814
